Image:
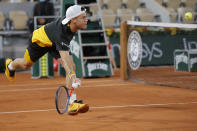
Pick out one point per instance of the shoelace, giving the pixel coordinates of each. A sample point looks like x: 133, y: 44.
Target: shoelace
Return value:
x: 80, y: 101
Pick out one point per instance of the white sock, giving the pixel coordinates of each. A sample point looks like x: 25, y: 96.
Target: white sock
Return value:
x: 10, y: 67
x: 73, y: 97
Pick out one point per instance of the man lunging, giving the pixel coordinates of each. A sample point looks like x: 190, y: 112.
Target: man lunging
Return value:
x: 54, y: 38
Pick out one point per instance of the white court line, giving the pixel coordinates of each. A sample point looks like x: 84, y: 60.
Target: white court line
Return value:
x: 37, y: 89
x: 145, y: 105
x: 28, y: 111
x: 37, y: 84
x: 31, y: 89
x: 105, y: 107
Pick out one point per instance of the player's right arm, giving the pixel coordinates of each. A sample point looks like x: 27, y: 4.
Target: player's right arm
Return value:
x: 68, y: 65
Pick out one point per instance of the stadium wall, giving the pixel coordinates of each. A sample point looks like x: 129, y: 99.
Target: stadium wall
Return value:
x: 158, y: 47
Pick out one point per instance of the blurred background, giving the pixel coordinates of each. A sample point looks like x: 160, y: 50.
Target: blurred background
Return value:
x: 17, y: 19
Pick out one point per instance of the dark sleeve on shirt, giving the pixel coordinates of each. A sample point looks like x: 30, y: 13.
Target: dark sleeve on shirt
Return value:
x: 62, y: 46
x: 59, y: 47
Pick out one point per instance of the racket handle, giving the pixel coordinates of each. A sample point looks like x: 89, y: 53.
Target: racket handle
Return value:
x: 71, y: 91
x: 74, y: 85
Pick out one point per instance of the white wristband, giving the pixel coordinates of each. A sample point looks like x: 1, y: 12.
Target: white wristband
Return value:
x: 76, y: 85
x: 72, y: 75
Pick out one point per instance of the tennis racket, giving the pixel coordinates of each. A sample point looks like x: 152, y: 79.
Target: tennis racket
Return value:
x: 62, y: 97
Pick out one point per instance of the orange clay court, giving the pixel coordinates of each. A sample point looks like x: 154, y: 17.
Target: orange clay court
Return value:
x: 115, y: 105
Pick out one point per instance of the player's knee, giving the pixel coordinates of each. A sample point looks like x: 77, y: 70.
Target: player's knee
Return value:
x: 27, y: 65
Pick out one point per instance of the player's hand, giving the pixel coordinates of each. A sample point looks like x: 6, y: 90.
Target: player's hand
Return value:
x: 76, y: 83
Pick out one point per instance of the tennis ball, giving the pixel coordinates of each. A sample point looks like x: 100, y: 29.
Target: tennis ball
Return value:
x: 188, y: 16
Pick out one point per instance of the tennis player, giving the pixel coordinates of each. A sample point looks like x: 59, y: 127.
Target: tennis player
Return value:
x: 54, y: 38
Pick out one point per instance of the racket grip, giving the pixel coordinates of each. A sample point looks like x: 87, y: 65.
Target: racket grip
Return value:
x: 71, y: 91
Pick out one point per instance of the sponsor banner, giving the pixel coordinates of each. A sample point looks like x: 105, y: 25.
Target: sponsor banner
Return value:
x: 193, y: 60
x: 185, y: 60
x: 134, y: 50
x: 92, y: 68
x: 158, y: 49
x: 181, y: 60
x: 97, y: 68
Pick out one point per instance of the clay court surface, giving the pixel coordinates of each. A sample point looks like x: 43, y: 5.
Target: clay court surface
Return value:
x: 115, y: 105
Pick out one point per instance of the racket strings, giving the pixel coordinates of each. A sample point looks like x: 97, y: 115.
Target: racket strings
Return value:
x: 62, y: 99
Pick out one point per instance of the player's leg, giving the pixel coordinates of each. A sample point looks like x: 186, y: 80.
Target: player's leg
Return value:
x: 18, y: 63
x: 75, y: 106
x: 12, y: 65
x: 21, y: 63
x: 32, y: 54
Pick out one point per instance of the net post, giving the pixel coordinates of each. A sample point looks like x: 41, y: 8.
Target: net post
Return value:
x: 123, y: 51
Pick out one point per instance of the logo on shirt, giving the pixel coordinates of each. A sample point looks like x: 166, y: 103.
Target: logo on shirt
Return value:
x: 64, y: 44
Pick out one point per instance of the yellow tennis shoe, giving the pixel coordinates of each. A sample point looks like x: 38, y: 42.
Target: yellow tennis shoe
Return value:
x: 9, y: 74
x: 77, y: 107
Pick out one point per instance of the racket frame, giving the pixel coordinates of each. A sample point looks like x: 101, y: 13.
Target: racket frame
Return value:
x: 68, y: 94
